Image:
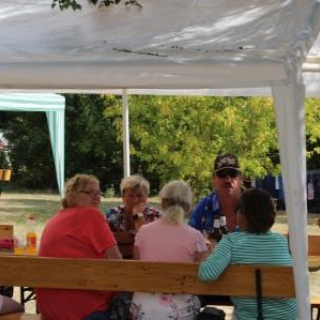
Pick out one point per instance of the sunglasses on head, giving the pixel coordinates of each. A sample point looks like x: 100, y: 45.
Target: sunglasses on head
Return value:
x: 232, y: 173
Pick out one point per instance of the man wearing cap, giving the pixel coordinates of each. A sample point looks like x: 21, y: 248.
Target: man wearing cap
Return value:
x: 227, y: 181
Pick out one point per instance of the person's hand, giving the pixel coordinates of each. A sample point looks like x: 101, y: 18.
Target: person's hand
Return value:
x: 209, y: 242
x: 209, y: 246
x: 139, y: 207
x: 137, y: 211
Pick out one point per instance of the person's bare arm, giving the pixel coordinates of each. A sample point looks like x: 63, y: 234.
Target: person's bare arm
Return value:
x: 136, y: 254
x: 113, y: 253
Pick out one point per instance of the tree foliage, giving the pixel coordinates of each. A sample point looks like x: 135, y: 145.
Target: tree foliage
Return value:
x: 171, y: 138
x: 91, y: 144
x: 75, y: 5
x: 313, y: 132
x: 30, y: 151
x: 179, y: 137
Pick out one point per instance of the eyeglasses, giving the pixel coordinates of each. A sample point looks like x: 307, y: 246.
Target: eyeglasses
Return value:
x: 232, y: 173
x: 91, y: 193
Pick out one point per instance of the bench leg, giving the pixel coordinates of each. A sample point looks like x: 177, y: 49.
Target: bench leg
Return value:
x: 318, y: 313
x: 26, y: 294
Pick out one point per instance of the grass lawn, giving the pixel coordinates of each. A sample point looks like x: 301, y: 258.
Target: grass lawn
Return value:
x: 15, y: 208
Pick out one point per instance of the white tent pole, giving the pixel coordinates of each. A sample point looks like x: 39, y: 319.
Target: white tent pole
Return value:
x: 56, y: 124
x: 289, y: 103
x: 61, y: 148
x: 126, y: 137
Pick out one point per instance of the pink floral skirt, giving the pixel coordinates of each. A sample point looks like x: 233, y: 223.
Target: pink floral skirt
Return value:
x: 161, y: 306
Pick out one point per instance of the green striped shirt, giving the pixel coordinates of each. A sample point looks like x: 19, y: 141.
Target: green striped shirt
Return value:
x: 249, y: 248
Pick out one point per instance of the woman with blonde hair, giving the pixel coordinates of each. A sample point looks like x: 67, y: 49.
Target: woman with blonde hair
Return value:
x: 78, y: 230
x: 169, y: 239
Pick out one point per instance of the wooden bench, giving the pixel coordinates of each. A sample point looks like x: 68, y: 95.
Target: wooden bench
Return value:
x: 315, y: 305
x: 313, y: 245
x: 129, y: 275
x: 21, y: 316
x: 314, y: 256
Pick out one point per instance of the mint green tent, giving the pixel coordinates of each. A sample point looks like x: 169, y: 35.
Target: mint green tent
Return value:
x: 54, y: 107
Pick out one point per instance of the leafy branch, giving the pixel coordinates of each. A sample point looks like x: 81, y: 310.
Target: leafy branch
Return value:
x: 74, y: 5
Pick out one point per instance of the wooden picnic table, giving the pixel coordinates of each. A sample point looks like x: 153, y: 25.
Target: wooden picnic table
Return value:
x: 314, y: 263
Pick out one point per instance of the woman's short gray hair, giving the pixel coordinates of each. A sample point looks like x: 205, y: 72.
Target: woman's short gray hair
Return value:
x: 134, y: 182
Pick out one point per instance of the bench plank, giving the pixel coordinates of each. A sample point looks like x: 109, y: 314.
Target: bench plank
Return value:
x: 129, y: 275
x: 313, y: 245
x: 21, y: 316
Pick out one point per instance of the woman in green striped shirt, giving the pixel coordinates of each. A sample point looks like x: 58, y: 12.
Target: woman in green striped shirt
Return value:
x: 255, y: 245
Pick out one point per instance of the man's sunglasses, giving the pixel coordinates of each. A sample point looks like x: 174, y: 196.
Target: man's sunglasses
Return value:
x: 232, y: 173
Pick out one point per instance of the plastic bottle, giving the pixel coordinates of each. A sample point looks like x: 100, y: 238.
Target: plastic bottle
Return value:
x: 31, y: 236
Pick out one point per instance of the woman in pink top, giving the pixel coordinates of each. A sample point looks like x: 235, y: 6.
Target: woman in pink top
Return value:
x: 169, y: 239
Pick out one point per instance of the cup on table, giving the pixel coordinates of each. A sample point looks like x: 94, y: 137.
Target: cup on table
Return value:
x: 19, y: 246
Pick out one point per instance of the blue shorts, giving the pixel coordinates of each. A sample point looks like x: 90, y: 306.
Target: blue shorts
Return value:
x: 98, y: 315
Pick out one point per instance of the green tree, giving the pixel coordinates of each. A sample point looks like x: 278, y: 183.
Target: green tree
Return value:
x: 171, y: 138
x: 30, y: 150
x: 313, y: 132
x: 178, y: 137
x: 91, y: 141
x: 75, y: 5
x: 91, y: 144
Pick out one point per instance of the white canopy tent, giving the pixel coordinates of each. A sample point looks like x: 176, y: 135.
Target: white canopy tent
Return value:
x: 178, y: 45
x: 54, y: 107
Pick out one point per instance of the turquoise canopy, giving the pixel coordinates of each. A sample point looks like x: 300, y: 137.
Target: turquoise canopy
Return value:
x: 54, y: 107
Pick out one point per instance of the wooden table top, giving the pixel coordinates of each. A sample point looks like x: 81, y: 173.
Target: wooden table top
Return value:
x: 314, y: 263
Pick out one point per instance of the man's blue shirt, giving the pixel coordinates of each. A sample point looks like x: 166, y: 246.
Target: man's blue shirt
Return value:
x: 204, y: 213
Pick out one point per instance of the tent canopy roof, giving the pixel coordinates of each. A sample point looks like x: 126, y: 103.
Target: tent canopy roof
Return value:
x: 168, y: 44
x: 176, y: 44
x: 32, y: 102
